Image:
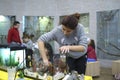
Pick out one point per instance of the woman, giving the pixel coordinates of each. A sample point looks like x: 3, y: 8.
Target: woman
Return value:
x: 72, y: 40
x: 91, y: 54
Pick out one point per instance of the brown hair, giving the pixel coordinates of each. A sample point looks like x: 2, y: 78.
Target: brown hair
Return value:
x: 16, y: 22
x: 77, y: 15
x: 92, y: 43
x: 70, y: 22
x: 25, y: 36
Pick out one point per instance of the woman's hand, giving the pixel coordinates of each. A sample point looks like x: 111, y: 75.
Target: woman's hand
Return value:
x: 64, y: 49
x: 46, y: 63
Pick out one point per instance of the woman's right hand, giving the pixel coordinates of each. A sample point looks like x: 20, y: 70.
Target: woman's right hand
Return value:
x: 46, y: 63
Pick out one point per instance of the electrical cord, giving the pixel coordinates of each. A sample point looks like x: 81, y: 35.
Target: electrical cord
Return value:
x: 18, y: 69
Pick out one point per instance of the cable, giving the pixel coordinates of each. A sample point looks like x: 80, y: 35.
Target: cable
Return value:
x: 17, y: 69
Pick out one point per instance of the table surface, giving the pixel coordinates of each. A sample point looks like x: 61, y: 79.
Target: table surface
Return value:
x: 4, y: 76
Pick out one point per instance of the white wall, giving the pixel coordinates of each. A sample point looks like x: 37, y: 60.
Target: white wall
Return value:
x: 57, y: 8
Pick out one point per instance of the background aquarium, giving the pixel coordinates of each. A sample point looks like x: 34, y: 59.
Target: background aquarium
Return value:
x: 6, y: 22
x: 108, y: 34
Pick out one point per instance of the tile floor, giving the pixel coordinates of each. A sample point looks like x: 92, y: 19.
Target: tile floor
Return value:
x: 105, y: 74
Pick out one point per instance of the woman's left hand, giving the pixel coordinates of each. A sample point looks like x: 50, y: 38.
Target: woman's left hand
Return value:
x: 64, y: 49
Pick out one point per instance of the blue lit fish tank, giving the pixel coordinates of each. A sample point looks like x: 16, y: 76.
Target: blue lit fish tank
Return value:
x: 15, y: 58
x: 4, y: 56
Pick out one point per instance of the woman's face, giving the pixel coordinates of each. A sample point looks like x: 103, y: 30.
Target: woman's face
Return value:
x: 66, y: 30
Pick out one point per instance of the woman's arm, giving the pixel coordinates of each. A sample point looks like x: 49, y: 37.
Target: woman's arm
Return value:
x: 41, y: 47
x: 77, y: 48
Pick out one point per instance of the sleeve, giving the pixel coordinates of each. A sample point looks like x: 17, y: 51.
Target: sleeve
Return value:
x: 48, y: 36
x: 83, y: 38
x: 9, y: 36
x: 29, y: 44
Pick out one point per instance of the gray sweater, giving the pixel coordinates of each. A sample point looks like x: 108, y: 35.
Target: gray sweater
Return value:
x: 77, y: 37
